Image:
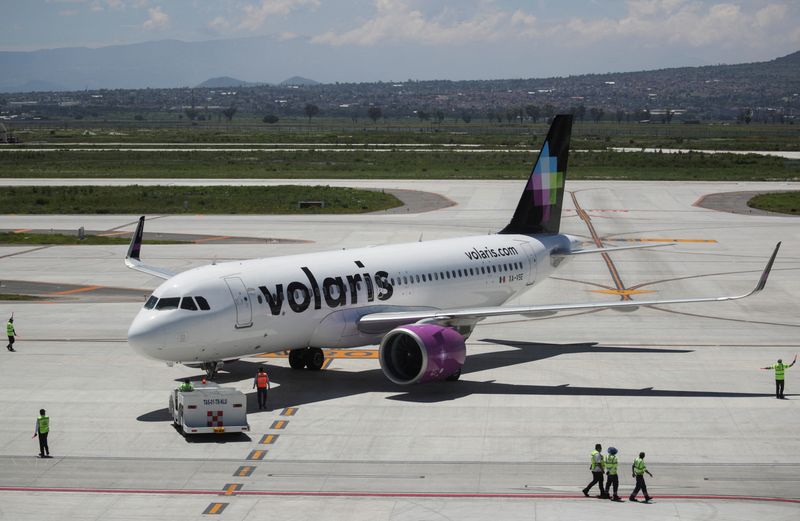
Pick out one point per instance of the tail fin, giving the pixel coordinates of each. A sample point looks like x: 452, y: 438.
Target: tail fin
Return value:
x: 539, y: 208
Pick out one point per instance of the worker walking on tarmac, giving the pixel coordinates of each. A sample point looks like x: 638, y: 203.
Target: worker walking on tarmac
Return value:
x: 11, y: 334
x: 638, y: 470
x: 596, y: 465
x: 611, y: 473
x: 42, y: 429
x: 779, y: 368
x: 186, y: 386
x: 261, y: 385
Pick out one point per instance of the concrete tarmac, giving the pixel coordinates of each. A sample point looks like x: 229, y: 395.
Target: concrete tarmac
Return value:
x: 510, y: 440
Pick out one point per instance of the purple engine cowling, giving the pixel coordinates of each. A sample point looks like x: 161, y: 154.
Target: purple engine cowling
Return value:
x: 420, y: 353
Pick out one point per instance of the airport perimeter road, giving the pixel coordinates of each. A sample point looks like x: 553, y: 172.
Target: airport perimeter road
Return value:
x: 510, y: 440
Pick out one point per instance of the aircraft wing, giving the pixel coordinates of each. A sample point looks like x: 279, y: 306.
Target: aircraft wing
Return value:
x: 133, y: 261
x: 376, y: 322
x: 616, y: 248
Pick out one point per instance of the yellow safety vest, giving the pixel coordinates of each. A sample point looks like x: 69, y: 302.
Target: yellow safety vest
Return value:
x: 10, y: 329
x: 639, y: 466
x: 779, y: 368
x: 44, y: 424
x: 593, y: 464
x: 611, y: 464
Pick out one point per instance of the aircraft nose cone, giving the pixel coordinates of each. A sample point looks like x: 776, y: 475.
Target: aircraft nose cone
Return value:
x: 146, y: 337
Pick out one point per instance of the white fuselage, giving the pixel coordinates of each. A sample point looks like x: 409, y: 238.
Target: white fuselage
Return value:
x: 315, y: 300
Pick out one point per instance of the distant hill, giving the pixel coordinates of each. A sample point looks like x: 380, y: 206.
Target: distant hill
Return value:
x: 299, y: 80
x: 223, y: 82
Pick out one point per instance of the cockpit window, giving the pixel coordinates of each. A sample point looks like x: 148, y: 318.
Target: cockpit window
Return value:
x: 151, y: 302
x: 203, y: 303
x: 168, y: 303
x: 188, y: 303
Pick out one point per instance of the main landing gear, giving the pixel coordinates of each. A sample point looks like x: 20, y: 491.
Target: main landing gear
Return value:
x: 311, y: 357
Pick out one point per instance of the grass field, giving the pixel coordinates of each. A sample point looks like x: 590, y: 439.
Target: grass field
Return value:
x: 181, y: 199
x: 438, y: 164
x: 784, y: 202
x: 58, y: 238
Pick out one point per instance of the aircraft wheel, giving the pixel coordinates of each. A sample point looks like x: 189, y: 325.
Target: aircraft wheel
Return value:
x: 297, y: 358
x: 454, y: 377
x: 315, y: 358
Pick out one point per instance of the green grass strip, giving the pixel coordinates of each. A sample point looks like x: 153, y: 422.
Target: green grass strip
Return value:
x: 25, y: 238
x: 16, y: 296
x: 137, y: 199
x: 784, y: 202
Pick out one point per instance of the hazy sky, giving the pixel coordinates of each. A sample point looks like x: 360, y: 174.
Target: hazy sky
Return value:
x: 483, y: 38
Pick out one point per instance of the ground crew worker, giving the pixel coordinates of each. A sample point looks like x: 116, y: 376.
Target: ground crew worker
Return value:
x: 42, y: 429
x: 186, y: 386
x: 780, y: 367
x: 611, y: 472
x: 596, y: 465
x: 638, y: 469
x: 261, y: 385
x: 11, y: 334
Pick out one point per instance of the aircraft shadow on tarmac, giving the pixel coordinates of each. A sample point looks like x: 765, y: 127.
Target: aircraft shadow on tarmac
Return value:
x: 298, y: 387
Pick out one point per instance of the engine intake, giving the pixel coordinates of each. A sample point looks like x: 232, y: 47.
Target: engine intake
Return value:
x: 420, y: 353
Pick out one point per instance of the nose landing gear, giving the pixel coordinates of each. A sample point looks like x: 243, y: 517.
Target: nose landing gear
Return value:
x: 211, y: 369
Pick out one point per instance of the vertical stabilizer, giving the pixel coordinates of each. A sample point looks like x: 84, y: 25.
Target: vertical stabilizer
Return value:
x: 539, y: 208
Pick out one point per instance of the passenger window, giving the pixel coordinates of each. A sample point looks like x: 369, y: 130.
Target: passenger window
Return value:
x: 423, y: 278
x: 405, y: 279
x: 494, y: 269
x: 483, y: 270
x: 188, y: 304
x: 459, y: 273
x: 392, y: 281
x: 168, y: 303
x: 417, y: 279
x: 151, y: 302
x: 259, y: 299
x: 441, y: 274
x: 203, y: 303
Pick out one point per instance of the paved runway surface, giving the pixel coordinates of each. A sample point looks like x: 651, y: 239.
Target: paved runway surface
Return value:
x: 510, y: 440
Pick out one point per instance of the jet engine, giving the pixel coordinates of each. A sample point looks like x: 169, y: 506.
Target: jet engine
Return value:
x: 420, y: 353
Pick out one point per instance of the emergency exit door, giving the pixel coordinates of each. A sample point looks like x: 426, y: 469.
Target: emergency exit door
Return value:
x: 244, y: 309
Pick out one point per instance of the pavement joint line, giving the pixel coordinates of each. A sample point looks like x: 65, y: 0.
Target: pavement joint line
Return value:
x: 269, y: 439
x: 312, y: 493
x: 215, y: 508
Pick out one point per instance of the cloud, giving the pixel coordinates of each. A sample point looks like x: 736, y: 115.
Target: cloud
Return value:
x: 648, y: 23
x: 396, y: 22
x: 157, y: 20
x: 256, y: 15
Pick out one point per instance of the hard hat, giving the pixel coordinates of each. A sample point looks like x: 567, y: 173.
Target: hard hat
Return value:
x: 612, y: 450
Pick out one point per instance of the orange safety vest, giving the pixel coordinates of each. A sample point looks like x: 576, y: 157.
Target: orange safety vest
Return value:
x: 262, y: 380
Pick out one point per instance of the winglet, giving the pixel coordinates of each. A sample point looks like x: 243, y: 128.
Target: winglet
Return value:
x: 136, y: 241
x: 762, y: 282
x: 133, y: 261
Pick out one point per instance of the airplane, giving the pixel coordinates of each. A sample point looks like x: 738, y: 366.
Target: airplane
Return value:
x: 420, y: 301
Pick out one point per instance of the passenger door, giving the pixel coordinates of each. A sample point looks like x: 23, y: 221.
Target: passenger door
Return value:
x: 244, y: 309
